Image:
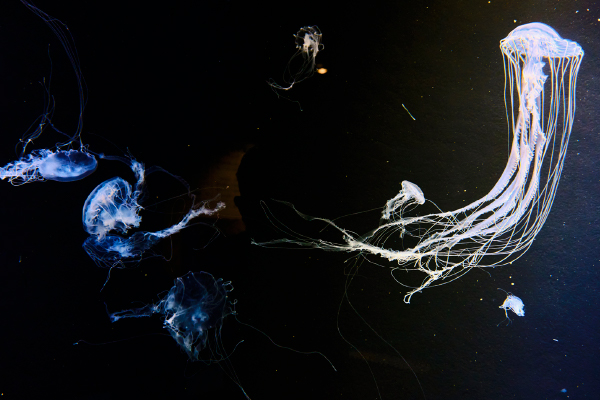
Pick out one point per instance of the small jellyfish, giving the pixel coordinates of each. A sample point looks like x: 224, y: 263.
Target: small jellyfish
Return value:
x: 64, y: 163
x: 308, y: 45
x: 512, y: 303
x: 410, y: 194
x: 193, y: 311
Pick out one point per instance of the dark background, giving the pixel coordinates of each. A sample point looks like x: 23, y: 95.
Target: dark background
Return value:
x: 183, y: 85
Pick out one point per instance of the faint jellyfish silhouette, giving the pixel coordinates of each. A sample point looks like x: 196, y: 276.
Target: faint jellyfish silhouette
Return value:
x: 192, y: 311
x: 114, y: 206
x: 512, y: 303
x: 308, y: 45
x: 64, y: 163
x: 503, y: 223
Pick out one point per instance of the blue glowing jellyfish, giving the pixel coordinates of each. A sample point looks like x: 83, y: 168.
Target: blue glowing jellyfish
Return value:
x: 505, y: 221
x: 308, y: 45
x: 192, y: 311
x: 44, y: 164
x: 64, y: 163
x: 113, y: 206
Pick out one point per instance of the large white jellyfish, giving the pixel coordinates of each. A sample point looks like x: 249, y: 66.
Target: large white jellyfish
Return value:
x: 502, y: 224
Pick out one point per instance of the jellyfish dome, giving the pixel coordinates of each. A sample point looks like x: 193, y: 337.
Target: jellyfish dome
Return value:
x: 111, y: 207
x: 541, y: 39
x: 44, y: 164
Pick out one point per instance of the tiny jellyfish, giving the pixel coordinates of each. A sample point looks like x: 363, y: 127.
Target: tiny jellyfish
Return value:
x: 512, y: 303
x: 308, y: 45
x: 113, y: 206
x: 499, y: 227
x: 64, y: 163
x: 192, y: 311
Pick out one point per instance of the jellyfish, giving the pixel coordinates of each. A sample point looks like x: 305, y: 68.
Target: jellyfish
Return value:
x: 54, y: 165
x: 308, y: 45
x: 192, y: 311
x: 64, y: 163
x: 113, y: 206
x: 115, y: 250
x: 499, y: 227
x: 512, y: 303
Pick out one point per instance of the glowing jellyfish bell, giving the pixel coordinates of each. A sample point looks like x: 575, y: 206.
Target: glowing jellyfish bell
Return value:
x: 113, y: 206
x: 63, y: 164
x: 503, y: 224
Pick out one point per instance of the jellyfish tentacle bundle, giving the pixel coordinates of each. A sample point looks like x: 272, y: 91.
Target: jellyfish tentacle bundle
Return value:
x: 506, y: 220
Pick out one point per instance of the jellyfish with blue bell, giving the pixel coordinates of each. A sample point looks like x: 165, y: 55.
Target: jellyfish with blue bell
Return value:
x: 113, y: 208
x: 309, y: 42
x: 541, y: 71
x: 70, y: 160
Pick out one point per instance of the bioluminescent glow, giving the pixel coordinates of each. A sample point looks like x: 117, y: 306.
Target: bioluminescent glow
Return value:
x: 193, y: 311
x: 308, y: 45
x: 504, y: 222
x: 512, y: 303
x: 44, y: 164
x: 64, y: 164
x: 113, y: 206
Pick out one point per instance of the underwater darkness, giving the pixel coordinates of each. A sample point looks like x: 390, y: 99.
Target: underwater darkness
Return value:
x: 184, y: 86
